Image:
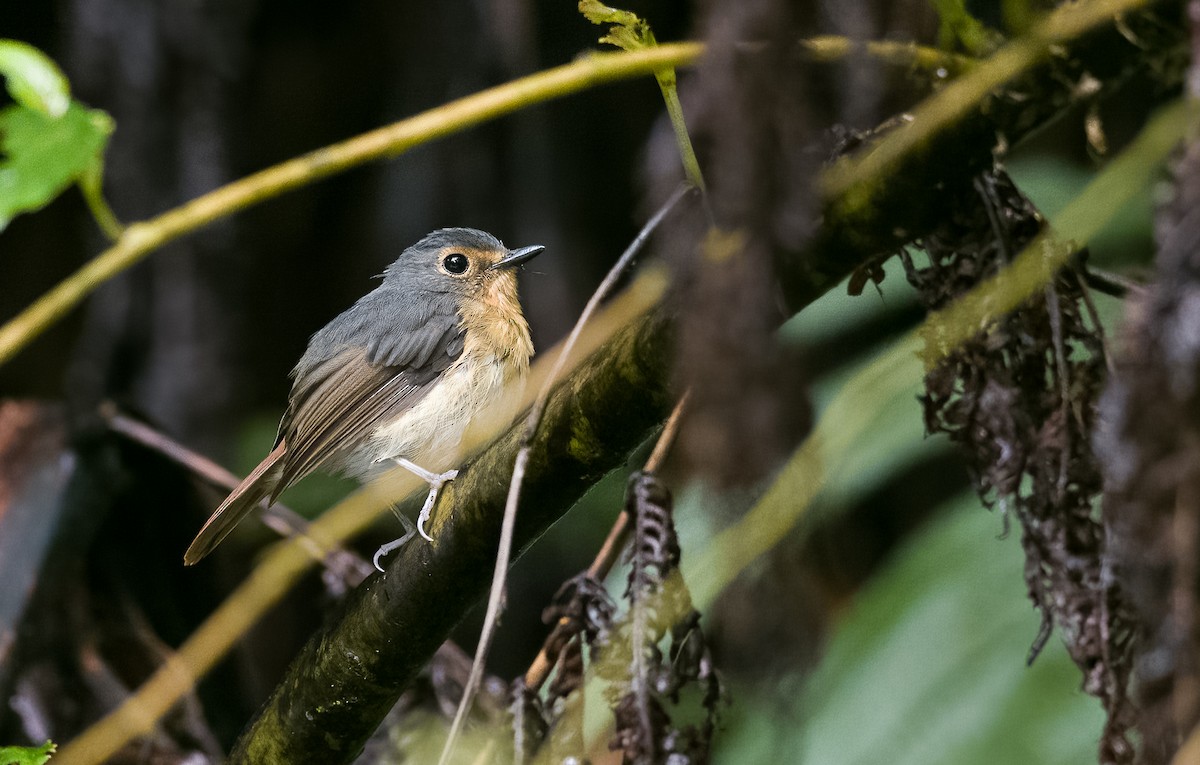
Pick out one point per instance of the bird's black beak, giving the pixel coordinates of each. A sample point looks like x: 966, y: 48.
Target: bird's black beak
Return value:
x: 517, y: 257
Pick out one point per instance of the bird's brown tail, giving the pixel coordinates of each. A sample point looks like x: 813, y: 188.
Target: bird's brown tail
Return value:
x: 259, y: 484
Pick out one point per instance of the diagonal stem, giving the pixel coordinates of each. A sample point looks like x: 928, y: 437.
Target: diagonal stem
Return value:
x: 504, y: 552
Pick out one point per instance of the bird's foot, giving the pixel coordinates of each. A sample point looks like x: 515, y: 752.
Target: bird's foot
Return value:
x: 431, y: 499
x: 436, y: 481
x: 395, y: 544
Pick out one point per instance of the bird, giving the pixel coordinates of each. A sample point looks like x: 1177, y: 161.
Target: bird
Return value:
x: 397, y: 378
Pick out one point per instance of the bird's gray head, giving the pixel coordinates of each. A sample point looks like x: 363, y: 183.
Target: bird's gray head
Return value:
x: 459, y: 261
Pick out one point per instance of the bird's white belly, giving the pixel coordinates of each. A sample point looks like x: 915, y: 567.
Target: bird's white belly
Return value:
x: 430, y: 432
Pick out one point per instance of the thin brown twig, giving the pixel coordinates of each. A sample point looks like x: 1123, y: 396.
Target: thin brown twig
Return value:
x: 508, y: 526
x: 666, y: 439
x: 1189, y: 752
x: 606, y: 558
x: 1081, y: 274
x: 1112, y: 284
x: 608, y: 553
x: 348, y: 566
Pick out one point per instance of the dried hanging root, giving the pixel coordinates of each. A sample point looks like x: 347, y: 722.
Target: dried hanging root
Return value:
x: 1020, y: 399
x: 645, y: 684
x: 581, y: 613
x: 650, y: 686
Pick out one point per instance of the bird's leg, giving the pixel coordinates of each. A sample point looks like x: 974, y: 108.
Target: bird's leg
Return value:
x: 395, y: 544
x: 435, y: 480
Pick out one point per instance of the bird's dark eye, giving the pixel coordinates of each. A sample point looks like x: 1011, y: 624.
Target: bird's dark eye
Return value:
x: 455, y: 263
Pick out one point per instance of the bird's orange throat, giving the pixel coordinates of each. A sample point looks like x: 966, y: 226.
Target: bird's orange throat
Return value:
x: 496, y: 327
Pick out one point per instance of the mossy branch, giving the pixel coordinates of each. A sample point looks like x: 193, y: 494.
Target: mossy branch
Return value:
x: 896, y: 188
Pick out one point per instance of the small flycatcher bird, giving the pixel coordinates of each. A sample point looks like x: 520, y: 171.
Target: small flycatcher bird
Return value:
x: 398, y: 377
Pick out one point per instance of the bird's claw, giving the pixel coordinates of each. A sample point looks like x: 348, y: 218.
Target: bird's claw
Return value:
x: 395, y: 544
x: 427, y: 509
x: 436, y: 481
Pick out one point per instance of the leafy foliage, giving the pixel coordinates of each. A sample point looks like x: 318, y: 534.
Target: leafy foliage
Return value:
x: 47, y: 141
x: 33, y: 79
x: 27, y: 755
x: 923, y: 668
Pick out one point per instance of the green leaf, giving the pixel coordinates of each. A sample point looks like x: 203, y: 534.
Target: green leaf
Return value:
x: 957, y: 24
x: 34, y: 80
x: 27, y: 755
x: 628, y: 33
x: 599, y: 13
x: 892, y: 442
x: 1052, y: 182
x: 929, y: 665
x: 40, y: 156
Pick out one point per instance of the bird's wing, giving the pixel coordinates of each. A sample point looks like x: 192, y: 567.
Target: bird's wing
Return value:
x: 339, y: 399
